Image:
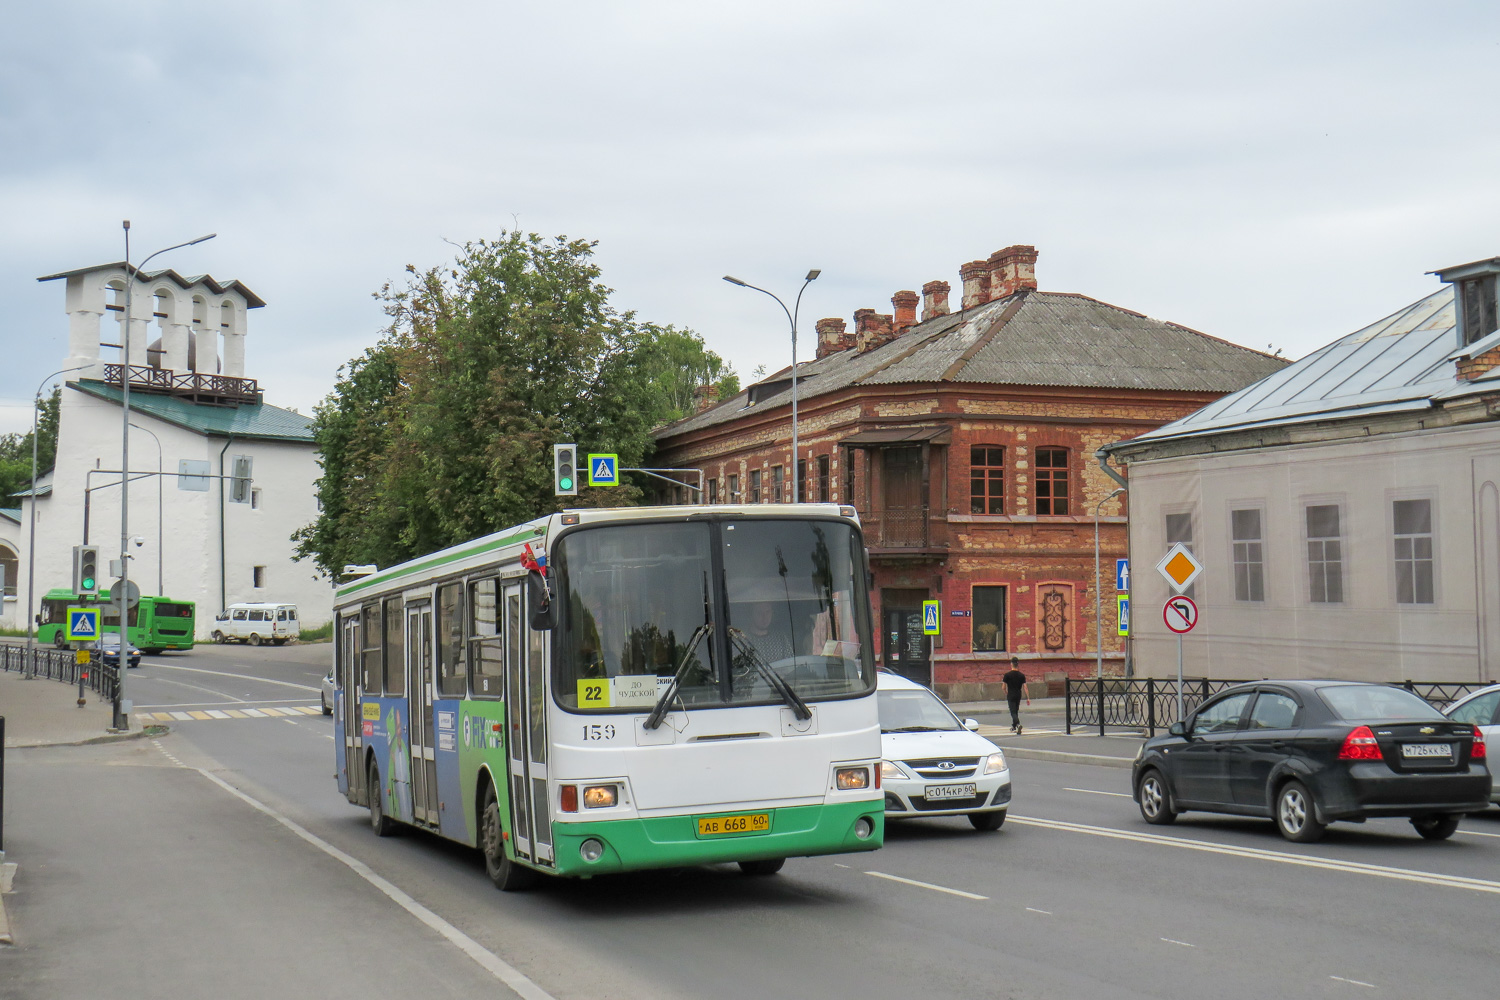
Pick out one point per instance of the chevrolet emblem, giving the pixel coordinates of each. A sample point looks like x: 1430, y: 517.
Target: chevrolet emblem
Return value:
x: 1427, y: 730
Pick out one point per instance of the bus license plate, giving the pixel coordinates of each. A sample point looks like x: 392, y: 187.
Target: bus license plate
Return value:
x: 719, y: 826
x: 1427, y: 750
x: 933, y: 792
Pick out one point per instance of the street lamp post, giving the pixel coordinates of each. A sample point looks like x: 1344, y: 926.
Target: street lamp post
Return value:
x: 31, y: 546
x: 1098, y: 590
x: 791, y: 315
x: 161, y: 541
x: 121, y: 599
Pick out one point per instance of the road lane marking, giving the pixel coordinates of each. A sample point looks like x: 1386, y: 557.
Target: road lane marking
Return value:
x: 1258, y: 854
x: 1175, y: 941
x: 1352, y: 982
x: 928, y: 885
x: 239, y: 677
x: 502, y: 970
x: 1033, y: 909
x: 1095, y: 791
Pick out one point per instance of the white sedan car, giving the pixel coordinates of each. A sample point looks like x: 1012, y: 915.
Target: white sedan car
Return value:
x: 934, y: 764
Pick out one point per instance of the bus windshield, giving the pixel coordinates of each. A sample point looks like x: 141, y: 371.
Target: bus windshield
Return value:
x: 723, y: 603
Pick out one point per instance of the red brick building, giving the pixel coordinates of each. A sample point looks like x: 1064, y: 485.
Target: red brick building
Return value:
x: 967, y: 442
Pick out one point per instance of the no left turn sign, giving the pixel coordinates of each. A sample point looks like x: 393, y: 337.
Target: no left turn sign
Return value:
x: 1180, y: 614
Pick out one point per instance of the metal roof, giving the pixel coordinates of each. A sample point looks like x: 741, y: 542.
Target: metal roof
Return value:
x: 252, y: 301
x: 247, y: 420
x: 1403, y: 361
x: 1032, y: 338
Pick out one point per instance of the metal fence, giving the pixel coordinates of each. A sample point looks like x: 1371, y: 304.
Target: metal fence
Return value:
x: 1150, y: 704
x: 60, y: 665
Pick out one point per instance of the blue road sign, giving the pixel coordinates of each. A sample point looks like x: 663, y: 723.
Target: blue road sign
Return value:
x: 604, y: 470
x: 83, y: 624
x: 1122, y: 574
x: 1123, y: 605
x: 931, y: 622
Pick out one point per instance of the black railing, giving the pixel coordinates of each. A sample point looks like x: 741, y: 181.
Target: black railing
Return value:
x: 1150, y: 704
x: 902, y: 528
x: 61, y: 665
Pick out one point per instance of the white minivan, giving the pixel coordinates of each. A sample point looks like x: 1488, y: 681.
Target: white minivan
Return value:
x: 258, y: 623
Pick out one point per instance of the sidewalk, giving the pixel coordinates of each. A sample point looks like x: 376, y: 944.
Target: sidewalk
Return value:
x: 46, y: 713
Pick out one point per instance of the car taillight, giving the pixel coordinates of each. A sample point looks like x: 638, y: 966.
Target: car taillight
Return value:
x: 1478, y: 752
x: 1360, y: 744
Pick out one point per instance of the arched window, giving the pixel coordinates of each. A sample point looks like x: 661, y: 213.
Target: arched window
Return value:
x: 1052, y: 481
x: 986, y: 479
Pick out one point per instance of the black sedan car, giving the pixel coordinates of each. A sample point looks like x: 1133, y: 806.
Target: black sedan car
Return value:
x: 1307, y: 753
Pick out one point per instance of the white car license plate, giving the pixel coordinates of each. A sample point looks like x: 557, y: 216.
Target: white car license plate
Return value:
x: 1427, y: 750
x: 933, y: 792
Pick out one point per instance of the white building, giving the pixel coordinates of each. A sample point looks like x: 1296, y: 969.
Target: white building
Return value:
x: 195, y: 416
x: 1346, y: 508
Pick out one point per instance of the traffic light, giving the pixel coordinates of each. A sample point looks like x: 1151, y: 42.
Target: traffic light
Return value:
x: 86, y: 570
x: 565, y: 470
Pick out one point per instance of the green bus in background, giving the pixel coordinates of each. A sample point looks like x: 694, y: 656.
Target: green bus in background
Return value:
x: 157, y: 623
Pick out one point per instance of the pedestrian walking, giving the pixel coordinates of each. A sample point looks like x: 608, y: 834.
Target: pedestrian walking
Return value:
x: 1015, y: 688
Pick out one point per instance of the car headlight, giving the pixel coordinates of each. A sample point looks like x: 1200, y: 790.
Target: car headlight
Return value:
x: 996, y: 762
x: 891, y: 771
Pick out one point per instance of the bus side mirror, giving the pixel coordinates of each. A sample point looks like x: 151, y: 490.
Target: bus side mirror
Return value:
x: 539, y: 599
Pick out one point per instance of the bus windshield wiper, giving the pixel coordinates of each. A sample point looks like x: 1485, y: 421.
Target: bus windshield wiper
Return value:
x: 746, y: 649
x: 660, y: 711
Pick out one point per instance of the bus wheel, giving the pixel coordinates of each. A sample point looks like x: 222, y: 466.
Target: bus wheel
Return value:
x: 505, y: 873
x: 218, y: 637
x: 767, y: 867
x: 254, y: 639
x: 382, y: 824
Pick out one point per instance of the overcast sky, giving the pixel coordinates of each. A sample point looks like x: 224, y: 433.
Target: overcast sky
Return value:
x: 1269, y: 173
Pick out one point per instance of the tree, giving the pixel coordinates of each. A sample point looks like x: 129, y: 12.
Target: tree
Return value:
x: 443, y: 430
x: 15, y: 450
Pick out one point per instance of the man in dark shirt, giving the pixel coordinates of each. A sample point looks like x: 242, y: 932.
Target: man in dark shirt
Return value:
x: 1015, y: 687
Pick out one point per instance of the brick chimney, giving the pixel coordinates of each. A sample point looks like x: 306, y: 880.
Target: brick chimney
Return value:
x: 976, y: 278
x: 905, y: 303
x: 1011, y: 270
x: 705, y: 396
x: 832, y: 337
x: 935, y: 299
x: 871, y: 329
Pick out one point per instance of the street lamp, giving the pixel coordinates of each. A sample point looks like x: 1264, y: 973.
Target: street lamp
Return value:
x: 31, y: 547
x: 161, y: 541
x: 791, y: 316
x: 120, y: 720
x: 1098, y: 587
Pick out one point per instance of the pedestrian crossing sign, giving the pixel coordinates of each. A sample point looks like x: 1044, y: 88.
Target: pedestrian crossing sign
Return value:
x: 604, y: 470
x: 931, y: 622
x: 83, y: 624
x: 1123, y: 620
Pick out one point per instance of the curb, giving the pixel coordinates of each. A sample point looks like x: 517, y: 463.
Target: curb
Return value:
x: 1063, y: 757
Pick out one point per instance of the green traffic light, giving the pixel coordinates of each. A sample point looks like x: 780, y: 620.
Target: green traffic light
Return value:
x: 565, y: 482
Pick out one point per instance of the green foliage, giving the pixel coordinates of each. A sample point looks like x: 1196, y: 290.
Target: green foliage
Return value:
x: 15, y: 451
x: 443, y: 431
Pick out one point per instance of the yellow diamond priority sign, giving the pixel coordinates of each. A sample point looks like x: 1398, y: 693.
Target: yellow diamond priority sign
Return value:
x: 1179, y: 567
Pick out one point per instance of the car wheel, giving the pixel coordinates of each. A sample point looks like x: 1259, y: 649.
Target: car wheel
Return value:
x: 507, y: 875
x: 218, y: 637
x: 1296, y: 817
x: 988, y: 820
x: 769, y: 866
x: 254, y: 639
x: 382, y: 824
x: 1435, y: 827
x: 1156, y: 799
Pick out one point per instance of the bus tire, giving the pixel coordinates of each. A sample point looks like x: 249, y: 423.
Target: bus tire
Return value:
x: 382, y: 824
x: 508, y: 875
x: 254, y: 639
x: 218, y: 637
x: 768, y: 866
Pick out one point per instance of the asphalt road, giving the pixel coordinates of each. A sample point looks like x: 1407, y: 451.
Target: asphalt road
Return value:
x: 140, y: 871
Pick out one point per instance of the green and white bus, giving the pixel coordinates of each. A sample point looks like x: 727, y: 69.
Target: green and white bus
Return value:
x: 609, y: 690
x: 153, y: 625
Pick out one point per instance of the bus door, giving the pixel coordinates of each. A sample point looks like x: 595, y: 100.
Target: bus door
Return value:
x: 526, y: 745
x: 350, y: 678
x: 419, y: 681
